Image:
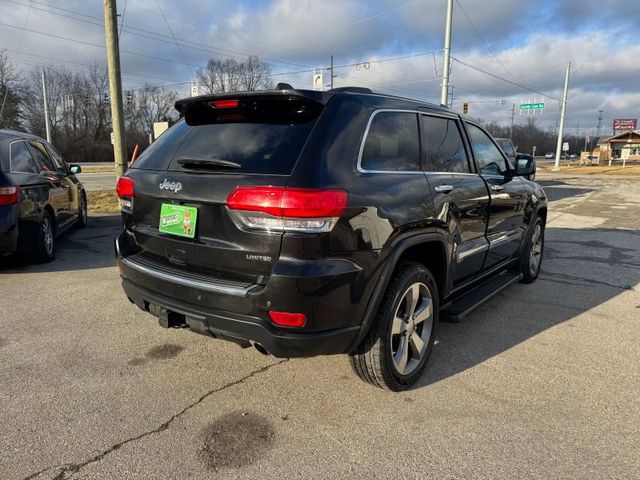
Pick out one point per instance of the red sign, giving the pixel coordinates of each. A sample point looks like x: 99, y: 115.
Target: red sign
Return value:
x: 625, y: 124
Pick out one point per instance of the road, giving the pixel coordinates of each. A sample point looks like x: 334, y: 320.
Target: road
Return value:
x: 540, y: 382
x: 98, y: 181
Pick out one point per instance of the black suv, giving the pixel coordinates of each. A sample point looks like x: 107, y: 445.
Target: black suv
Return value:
x: 308, y: 223
x: 40, y: 196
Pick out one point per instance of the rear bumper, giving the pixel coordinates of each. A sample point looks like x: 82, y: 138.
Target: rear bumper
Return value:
x: 327, y: 291
x: 239, y: 328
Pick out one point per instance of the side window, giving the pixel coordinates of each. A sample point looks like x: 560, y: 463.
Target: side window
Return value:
x: 392, y: 143
x: 21, y: 159
x: 442, y: 146
x: 489, y: 158
x: 41, y: 155
x: 58, y: 161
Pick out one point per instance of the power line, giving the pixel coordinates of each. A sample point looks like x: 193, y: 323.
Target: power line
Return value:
x: 92, y: 20
x: 171, y: 32
x: 516, y: 84
x: 483, y: 40
x: 124, y: 11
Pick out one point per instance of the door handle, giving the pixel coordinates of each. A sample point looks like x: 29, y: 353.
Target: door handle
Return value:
x: 444, y: 188
x: 497, y: 188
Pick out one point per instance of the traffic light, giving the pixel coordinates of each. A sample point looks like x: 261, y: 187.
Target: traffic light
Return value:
x: 465, y: 108
x: 105, y: 98
x: 129, y: 98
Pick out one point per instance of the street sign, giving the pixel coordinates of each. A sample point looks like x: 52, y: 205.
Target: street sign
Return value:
x: 318, y: 83
x: 565, y: 147
x: 532, y: 106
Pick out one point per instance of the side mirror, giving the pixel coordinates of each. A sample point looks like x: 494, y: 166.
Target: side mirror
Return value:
x: 526, y: 166
x: 75, y: 169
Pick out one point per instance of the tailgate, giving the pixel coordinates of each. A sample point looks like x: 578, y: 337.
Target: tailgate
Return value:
x: 194, y: 166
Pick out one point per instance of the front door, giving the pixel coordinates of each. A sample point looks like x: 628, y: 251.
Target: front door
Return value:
x: 508, y: 197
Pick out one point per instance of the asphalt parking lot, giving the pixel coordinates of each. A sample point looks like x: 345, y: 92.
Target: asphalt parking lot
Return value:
x: 541, y: 382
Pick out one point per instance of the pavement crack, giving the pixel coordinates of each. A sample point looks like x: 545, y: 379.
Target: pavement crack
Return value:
x: 68, y: 470
x: 586, y: 281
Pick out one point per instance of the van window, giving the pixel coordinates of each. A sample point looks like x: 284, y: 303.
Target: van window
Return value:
x: 392, y: 143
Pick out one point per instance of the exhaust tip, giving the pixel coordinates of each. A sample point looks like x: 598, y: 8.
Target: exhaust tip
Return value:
x: 260, y: 348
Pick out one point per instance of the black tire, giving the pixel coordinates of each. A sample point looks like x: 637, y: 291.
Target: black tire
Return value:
x: 374, y: 361
x: 46, y: 242
x: 531, y: 259
x: 82, y: 212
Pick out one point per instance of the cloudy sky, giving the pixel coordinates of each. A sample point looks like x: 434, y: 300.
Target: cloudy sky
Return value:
x: 527, y: 43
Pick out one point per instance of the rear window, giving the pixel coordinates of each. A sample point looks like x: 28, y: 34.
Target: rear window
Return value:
x: 21, y: 160
x: 260, y: 136
x: 392, y: 143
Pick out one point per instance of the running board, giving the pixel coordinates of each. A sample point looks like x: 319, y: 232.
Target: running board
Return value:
x: 461, y: 307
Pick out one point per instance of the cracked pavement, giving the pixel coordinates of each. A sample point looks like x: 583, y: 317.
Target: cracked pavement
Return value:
x: 539, y: 382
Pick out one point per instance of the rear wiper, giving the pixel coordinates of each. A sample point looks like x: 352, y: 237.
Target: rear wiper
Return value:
x: 213, y: 163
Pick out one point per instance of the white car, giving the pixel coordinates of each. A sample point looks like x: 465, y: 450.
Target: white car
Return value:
x: 549, y: 155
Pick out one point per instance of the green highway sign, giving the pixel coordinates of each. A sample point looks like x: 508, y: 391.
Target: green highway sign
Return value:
x: 532, y: 106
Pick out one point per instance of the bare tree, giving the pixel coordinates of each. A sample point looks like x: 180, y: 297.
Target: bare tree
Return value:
x: 230, y: 75
x: 152, y: 104
x: 9, y: 94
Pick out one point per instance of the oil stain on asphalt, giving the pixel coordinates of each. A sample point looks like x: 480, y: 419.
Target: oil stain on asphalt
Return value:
x: 159, y: 352
x: 163, y: 352
x: 236, y: 439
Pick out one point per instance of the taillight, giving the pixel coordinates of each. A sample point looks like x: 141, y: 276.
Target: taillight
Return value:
x: 286, y: 209
x: 125, y: 192
x: 9, y: 195
x: 224, y: 103
x: 286, y: 319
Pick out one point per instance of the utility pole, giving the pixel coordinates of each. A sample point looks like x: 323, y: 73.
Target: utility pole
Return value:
x: 577, y: 135
x: 513, y: 114
x: 331, y: 75
x: 599, y: 124
x: 447, y: 55
x: 562, y: 115
x: 115, y: 85
x: 46, y: 106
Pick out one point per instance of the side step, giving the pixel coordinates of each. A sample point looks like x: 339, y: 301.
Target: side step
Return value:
x: 462, y: 306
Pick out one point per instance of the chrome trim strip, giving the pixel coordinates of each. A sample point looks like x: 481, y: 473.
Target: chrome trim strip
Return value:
x: 364, y: 139
x: 472, y: 250
x: 186, y: 282
x: 507, y: 236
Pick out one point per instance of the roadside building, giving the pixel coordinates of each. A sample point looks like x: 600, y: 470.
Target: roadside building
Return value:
x: 623, y: 146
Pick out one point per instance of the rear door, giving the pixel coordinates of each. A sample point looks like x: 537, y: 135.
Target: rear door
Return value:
x: 508, y: 196
x: 25, y: 173
x: 59, y: 187
x: 220, y: 145
x: 460, y: 197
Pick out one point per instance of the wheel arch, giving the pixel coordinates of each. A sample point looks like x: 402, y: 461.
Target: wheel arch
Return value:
x: 429, y: 249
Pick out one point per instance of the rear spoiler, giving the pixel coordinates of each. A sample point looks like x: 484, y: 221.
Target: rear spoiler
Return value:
x: 185, y: 104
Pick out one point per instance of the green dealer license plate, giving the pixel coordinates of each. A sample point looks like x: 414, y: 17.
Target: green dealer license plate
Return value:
x: 178, y: 220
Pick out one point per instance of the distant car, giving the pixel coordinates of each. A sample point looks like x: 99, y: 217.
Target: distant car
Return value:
x: 573, y: 155
x: 508, y: 148
x: 40, y: 196
x: 549, y: 155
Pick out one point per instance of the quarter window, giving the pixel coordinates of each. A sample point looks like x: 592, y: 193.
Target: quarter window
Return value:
x: 489, y: 158
x: 21, y: 159
x: 392, y: 143
x: 442, y: 146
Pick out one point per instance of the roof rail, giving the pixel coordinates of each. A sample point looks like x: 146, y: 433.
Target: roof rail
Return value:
x: 352, y: 89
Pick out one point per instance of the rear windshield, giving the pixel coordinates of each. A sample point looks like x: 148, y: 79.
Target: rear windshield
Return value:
x: 264, y: 141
